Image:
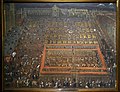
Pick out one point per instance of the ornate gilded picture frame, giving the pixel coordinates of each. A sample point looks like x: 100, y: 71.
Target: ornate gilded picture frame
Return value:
x: 60, y: 45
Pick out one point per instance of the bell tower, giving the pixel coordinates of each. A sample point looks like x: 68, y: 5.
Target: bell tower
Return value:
x: 9, y: 13
x: 12, y: 14
x: 55, y: 11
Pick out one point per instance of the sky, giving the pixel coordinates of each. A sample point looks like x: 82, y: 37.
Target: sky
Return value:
x: 67, y: 5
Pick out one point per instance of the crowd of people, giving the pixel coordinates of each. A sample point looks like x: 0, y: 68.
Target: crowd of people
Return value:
x: 65, y: 58
x: 22, y: 66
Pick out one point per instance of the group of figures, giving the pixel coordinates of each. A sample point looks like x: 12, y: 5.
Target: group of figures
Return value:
x: 24, y: 53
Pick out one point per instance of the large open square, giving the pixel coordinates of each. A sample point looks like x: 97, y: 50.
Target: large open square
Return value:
x: 54, y: 45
